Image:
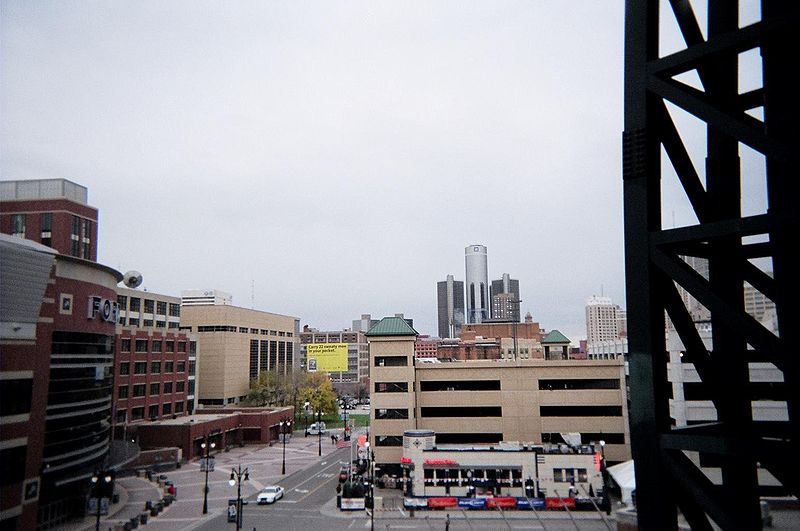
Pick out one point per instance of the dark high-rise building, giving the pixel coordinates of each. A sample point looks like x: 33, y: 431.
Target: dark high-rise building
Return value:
x: 505, y: 298
x: 450, y: 300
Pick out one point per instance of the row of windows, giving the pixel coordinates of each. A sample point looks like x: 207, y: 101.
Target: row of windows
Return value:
x: 240, y: 329
x: 147, y: 323
x: 140, y: 390
x: 155, y: 345
x: 140, y: 367
x: 150, y: 306
x: 486, y: 385
x: 137, y: 413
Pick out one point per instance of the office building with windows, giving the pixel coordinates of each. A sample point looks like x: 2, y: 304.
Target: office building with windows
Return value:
x: 485, y: 402
x: 53, y: 212
x: 357, y: 356
x: 155, y: 363
x: 505, y: 298
x: 450, y: 302
x: 237, y: 344
x: 57, y: 329
x: 603, y: 320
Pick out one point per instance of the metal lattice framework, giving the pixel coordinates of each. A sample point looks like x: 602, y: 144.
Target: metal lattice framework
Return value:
x: 766, y: 121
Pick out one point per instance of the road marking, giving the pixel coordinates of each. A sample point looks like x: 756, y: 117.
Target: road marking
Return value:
x: 303, y: 491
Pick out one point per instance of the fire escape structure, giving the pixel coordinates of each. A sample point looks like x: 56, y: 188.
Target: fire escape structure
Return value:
x: 702, y: 81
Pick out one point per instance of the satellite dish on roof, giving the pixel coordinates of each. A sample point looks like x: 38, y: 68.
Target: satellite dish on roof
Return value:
x: 132, y: 279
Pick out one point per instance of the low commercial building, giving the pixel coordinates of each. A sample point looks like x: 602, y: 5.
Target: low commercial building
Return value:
x: 222, y: 427
x: 487, y: 402
x: 506, y: 469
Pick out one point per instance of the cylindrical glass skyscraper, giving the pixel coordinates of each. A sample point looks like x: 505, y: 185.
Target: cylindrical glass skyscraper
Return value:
x: 477, y: 283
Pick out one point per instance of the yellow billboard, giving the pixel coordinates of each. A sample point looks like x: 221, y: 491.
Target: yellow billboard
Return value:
x: 327, y: 357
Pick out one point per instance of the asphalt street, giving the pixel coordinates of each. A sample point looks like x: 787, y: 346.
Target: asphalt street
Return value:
x: 309, y: 503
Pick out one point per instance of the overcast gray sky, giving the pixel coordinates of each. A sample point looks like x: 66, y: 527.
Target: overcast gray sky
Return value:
x: 328, y: 159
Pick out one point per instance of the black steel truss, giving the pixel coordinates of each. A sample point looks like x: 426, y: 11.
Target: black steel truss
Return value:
x: 667, y: 479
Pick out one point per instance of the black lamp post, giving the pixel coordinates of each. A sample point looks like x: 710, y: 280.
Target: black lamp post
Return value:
x: 206, y: 466
x: 286, y: 426
x: 319, y: 430
x: 371, y: 469
x: 237, y: 476
x: 305, y: 410
x: 101, y: 481
x: 604, y: 472
x: 346, y: 430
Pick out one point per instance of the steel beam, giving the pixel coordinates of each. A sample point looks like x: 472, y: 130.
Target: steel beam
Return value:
x: 667, y: 479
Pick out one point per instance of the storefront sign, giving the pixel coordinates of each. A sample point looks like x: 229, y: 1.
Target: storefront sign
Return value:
x: 506, y: 502
x: 440, y: 462
x: 559, y: 503
x: 472, y: 503
x: 352, y: 504
x: 107, y: 309
x: 415, y: 502
x: 442, y: 502
x: 528, y: 503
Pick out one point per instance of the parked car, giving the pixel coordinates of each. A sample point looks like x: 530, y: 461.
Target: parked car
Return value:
x: 317, y: 428
x: 270, y: 494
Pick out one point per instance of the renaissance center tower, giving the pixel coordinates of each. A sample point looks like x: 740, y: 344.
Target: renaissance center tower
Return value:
x: 477, y: 283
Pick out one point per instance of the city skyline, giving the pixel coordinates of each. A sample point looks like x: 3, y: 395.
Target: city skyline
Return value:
x: 264, y: 151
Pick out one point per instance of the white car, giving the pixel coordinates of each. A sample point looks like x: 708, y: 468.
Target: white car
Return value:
x: 270, y: 494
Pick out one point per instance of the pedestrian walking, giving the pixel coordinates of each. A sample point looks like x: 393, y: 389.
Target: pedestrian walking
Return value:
x: 447, y: 523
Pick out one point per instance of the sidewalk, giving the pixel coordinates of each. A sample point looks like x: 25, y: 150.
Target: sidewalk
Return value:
x: 132, y: 492
x: 265, y: 463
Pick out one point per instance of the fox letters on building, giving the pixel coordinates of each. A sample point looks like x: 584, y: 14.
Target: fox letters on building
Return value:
x: 327, y: 357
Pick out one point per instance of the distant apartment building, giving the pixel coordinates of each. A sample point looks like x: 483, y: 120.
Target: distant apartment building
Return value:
x: 477, y: 283
x: 505, y: 298
x: 603, y: 320
x: 155, y: 366
x: 424, y: 347
x: 357, y: 355
x: 450, y: 305
x: 486, y: 402
x: 237, y: 344
x: 52, y: 212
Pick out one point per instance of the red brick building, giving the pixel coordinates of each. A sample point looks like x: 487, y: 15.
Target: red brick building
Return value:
x: 156, y: 363
x: 53, y: 212
x: 57, y: 327
x: 223, y: 427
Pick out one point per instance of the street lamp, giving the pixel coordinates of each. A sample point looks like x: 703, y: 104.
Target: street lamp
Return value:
x: 319, y: 430
x: 237, y: 476
x: 343, y: 403
x: 206, y: 466
x: 515, y: 317
x: 604, y: 472
x: 286, y: 425
x: 100, y: 483
x: 305, y: 410
x: 371, y: 469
